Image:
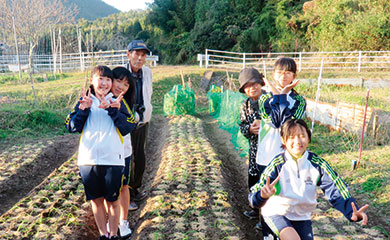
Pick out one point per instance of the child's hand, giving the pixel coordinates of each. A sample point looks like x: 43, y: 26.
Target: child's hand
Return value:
x: 269, y: 189
x: 86, y: 101
x: 288, y: 88
x: 255, y: 127
x: 359, y: 215
x: 117, y: 102
x: 274, y: 90
x: 103, y: 102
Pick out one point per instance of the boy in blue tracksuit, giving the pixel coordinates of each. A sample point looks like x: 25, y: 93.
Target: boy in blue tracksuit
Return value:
x: 287, y: 193
x: 101, y: 151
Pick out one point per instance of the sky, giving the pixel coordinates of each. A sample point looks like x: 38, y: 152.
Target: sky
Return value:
x: 126, y: 5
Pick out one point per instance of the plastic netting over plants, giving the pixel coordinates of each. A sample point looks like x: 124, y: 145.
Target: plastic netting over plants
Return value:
x: 225, y: 107
x: 179, y: 101
x: 214, y: 96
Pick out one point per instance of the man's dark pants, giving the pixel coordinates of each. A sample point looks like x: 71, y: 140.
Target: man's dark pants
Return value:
x: 138, y: 142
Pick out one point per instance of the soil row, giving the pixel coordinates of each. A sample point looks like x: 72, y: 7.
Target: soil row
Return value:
x: 187, y: 199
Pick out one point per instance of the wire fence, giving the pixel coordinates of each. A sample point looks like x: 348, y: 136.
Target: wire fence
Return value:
x: 68, y: 61
x: 355, y: 60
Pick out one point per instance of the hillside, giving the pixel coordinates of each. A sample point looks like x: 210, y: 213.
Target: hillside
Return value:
x: 92, y: 9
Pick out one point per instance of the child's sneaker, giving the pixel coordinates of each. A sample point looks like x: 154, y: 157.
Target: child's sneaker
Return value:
x: 114, y: 238
x: 133, y: 206
x: 103, y: 237
x: 124, y: 229
x: 252, y: 214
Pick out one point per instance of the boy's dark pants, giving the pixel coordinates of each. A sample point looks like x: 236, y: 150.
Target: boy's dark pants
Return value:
x: 138, y: 142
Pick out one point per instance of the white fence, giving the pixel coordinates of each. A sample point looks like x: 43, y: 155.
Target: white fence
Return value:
x: 69, y: 62
x: 357, y: 60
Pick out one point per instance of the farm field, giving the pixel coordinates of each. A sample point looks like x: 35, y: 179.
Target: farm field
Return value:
x: 195, y: 179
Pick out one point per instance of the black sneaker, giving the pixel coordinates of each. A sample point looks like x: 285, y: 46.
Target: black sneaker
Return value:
x: 258, y: 226
x: 115, y: 238
x: 252, y: 214
x: 140, y: 196
x: 103, y: 237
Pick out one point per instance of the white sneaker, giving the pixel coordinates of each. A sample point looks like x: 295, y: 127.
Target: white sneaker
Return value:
x: 124, y: 229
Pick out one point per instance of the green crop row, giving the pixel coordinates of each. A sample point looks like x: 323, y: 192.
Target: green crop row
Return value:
x: 50, y: 211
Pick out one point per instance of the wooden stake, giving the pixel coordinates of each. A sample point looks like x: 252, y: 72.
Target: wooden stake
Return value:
x: 375, y: 125
x: 182, y: 79
x: 230, y: 82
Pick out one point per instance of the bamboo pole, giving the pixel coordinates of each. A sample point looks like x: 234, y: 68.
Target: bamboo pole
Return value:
x: 17, y: 49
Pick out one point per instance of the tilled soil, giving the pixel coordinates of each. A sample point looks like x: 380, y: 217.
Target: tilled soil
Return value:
x: 28, y: 170
x: 197, y: 185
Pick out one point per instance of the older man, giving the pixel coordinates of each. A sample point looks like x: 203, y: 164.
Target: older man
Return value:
x: 136, y: 53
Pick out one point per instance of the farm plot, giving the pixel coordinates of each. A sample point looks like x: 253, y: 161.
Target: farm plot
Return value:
x: 26, y: 163
x: 51, y: 211
x: 197, y: 191
x: 187, y: 199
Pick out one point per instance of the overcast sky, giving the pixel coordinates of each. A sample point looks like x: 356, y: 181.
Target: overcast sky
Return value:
x: 126, y: 5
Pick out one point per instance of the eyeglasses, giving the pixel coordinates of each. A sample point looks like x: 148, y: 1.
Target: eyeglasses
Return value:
x: 280, y: 72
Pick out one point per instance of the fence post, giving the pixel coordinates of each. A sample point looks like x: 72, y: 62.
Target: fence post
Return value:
x: 207, y: 58
x: 300, y: 62
x: 317, y: 94
x: 243, y: 60
x: 360, y: 60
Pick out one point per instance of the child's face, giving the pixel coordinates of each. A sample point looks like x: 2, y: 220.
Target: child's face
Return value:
x: 297, y: 142
x: 283, y: 78
x: 253, y: 90
x: 101, y: 84
x: 119, y: 86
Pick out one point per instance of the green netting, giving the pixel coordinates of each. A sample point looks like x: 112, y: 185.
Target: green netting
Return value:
x: 214, y: 96
x: 228, y: 115
x: 179, y: 101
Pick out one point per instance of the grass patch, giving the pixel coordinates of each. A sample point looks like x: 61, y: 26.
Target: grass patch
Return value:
x: 379, y: 97
x: 18, y: 123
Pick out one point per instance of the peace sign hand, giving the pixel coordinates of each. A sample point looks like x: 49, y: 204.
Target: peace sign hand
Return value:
x: 117, y: 102
x: 358, y: 215
x: 269, y: 189
x: 85, y: 101
x: 103, y: 102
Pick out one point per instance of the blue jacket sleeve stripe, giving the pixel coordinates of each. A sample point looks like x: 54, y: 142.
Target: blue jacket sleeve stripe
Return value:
x: 131, y: 118
x: 268, y: 171
x: 340, y: 185
x: 301, y: 107
x: 264, y: 116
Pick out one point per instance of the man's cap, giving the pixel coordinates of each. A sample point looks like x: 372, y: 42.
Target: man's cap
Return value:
x: 248, y: 75
x: 137, y: 45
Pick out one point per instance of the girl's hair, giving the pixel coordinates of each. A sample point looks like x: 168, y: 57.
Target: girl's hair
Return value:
x: 100, y: 70
x: 123, y: 73
x: 288, y: 129
x: 286, y: 64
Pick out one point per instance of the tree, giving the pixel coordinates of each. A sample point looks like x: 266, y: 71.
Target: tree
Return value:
x: 32, y: 19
